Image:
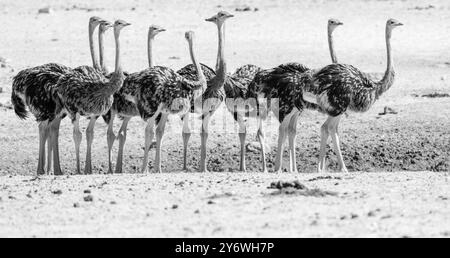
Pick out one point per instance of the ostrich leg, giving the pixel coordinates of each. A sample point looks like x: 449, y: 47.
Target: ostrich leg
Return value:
x: 242, y: 137
x: 186, y: 136
x: 111, y: 138
x: 292, y: 131
x: 48, y: 138
x: 324, y: 134
x: 333, y: 130
x: 54, y: 135
x: 149, y: 134
x: 77, y: 137
x: 89, y: 139
x: 122, y: 139
x: 42, y: 138
x: 261, y: 139
x: 204, y: 138
x: 159, y: 137
x: 283, y: 132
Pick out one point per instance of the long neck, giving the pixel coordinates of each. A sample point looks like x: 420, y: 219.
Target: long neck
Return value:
x: 92, y: 47
x: 198, y: 68
x: 118, y: 68
x: 151, y: 62
x: 101, y: 36
x: 389, y: 76
x: 221, y: 29
x: 331, y: 45
x: 221, y: 70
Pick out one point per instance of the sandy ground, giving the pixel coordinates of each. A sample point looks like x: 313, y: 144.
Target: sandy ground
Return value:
x: 226, y: 205
x: 417, y: 138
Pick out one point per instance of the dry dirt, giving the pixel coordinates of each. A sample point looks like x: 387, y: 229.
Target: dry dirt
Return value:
x: 387, y: 193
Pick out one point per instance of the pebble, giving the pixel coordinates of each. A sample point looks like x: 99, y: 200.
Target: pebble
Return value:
x: 46, y: 10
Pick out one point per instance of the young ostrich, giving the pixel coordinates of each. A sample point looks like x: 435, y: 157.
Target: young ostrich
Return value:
x: 210, y: 96
x: 266, y: 85
x: 125, y: 108
x: 90, y: 95
x: 338, y: 88
x: 165, y: 92
x: 35, y: 87
x: 335, y: 89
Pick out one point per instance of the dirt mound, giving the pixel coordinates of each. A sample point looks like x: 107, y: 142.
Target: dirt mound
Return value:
x: 297, y: 188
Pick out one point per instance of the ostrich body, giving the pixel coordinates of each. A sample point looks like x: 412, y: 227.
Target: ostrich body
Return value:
x: 268, y: 84
x: 165, y: 93
x: 90, y: 95
x: 35, y: 88
x: 124, y: 102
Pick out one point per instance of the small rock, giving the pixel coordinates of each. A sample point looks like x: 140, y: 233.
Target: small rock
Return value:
x: 57, y: 192
x: 88, y: 198
x: 174, y: 207
x: 46, y: 10
x: 388, y: 110
x: 87, y: 191
x: 76, y: 205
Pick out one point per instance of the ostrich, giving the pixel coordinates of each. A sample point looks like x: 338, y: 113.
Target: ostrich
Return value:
x: 338, y: 88
x: 335, y: 89
x: 165, y: 92
x: 211, y: 96
x: 35, y: 88
x: 125, y: 108
x: 90, y: 95
x: 266, y: 85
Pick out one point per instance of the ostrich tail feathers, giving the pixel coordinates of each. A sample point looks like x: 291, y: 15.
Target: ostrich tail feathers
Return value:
x: 19, y: 106
x: 107, y: 117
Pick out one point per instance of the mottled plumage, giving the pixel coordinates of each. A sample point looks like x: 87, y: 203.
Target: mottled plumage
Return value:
x: 35, y: 88
x: 339, y: 87
x: 162, y: 85
x: 88, y: 93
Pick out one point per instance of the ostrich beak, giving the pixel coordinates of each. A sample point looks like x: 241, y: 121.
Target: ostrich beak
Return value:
x: 212, y: 19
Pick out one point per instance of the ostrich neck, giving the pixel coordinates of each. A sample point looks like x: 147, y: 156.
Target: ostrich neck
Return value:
x: 389, y: 76
x: 92, y: 47
x: 151, y: 62
x: 101, y: 35
x: 118, y: 68
x: 331, y: 45
x: 221, y: 28
x: 221, y: 70
x: 198, y: 68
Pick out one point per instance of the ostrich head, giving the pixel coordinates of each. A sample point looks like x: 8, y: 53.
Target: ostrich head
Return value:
x: 120, y: 24
x: 105, y: 25
x: 94, y: 21
x: 334, y: 23
x: 155, y: 30
x: 392, y: 23
x: 220, y: 18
